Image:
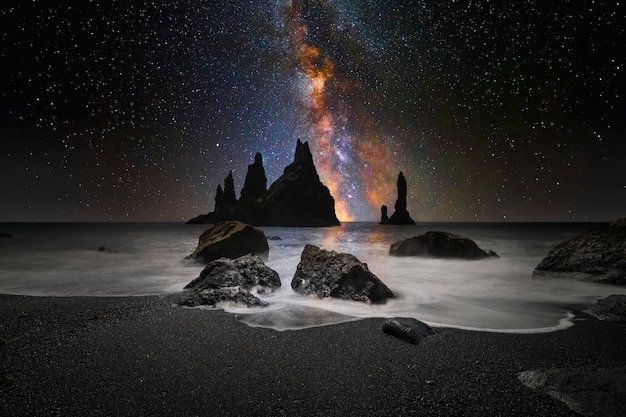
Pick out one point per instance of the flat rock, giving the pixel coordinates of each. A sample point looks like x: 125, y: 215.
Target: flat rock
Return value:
x: 598, y: 255
x: 230, y: 239
x: 441, y: 245
x: 408, y: 329
x: 340, y: 275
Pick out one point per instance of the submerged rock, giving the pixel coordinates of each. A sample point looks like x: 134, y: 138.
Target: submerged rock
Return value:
x: 340, y: 275
x: 598, y: 255
x: 2, y: 234
x: 230, y: 280
x: 440, y: 244
x: 410, y: 330
x: 230, y: 239
x: 611, y: 308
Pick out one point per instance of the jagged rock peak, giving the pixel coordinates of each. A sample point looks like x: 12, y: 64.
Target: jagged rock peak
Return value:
x: 401, y: 215
x: 255, y: 183
x: 302, y: 164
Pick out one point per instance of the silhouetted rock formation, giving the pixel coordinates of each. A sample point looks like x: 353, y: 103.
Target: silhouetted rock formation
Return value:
x: 230, y: 280
x: 339, y: 275
x: 441, y: 245
x: 230, y: 239
x: 401, y: 215
x: 598, y: 255
x: 255, y: 183
x: 384, y: 219
x: 297, y: 198
x: 410, y: 330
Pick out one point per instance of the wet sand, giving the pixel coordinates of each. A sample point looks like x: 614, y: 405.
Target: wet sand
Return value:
x: 143, y: 356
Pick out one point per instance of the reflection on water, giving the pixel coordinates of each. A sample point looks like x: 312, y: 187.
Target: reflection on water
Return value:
x: 498, y: 294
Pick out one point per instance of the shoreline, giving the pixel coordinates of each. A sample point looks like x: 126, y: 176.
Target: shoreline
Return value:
x: 141, y: 355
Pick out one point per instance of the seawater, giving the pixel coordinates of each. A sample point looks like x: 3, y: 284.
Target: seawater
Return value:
x: 495, y: 294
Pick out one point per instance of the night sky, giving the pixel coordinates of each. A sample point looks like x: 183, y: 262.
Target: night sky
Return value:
x: 136, y: 111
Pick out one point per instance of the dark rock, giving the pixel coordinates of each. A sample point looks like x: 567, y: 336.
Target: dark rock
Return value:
x: 384, y: 219
x: 340, y: 275
x: 106, y: 250
x: 297, y: 198
x: 228, y: 199
x: 230, y: 239
x: 274, y: 238
x: 410, y: 330
x: 439, y: 244
x: 401, y: 215
x: 247, y: 271
x: 5, y: 234
x: 230, y: 280
x: 598, y: 255
x: 611, y: 308
x: 255, y: 183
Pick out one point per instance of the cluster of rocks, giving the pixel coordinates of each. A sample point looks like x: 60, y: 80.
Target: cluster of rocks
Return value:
x: 296, y: 198
x: 400, y: 215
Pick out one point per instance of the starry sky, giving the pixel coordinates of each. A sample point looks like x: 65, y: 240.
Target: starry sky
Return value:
x: 137, y: 110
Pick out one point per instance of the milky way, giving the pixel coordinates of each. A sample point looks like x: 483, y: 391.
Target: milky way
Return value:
x: 137, y: 110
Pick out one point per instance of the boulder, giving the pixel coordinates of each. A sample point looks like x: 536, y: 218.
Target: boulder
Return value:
x: 340, y: 275
x: 441, y: 245
x: 597, y: 255
x: 230, y: 280
x: 230, y: 239
x: 401, y: 215
x: 410, y: 330
x: 611, y: 308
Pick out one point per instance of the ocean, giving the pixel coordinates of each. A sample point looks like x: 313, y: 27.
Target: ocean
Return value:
x: 495, y: 294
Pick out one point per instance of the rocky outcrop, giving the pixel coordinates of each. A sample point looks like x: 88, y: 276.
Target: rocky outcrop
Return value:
x: 339, y: 275
x: 441, y: 245
x: 297, y: 198
x: 230, y: 239
x: 611, y: 308
x: 384, y: 219
x: 400, y: 214
x: 598, y: 255
x: 255, y: 183
x: 410, y: 330
x: 230, y: 280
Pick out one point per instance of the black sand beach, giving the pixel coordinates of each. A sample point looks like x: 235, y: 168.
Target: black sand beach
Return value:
x: 141, y: 356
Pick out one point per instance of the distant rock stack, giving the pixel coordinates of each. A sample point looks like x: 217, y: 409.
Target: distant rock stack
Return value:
x: 384, y: 219
x: 401, y: 215
x: 225, y: 198
x: 297, y: 198
x: 255, y: 183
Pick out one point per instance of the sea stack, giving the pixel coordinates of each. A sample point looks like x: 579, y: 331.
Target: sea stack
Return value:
x: 297, y: 198
x: 401, y: 215
x: 255, y: 183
